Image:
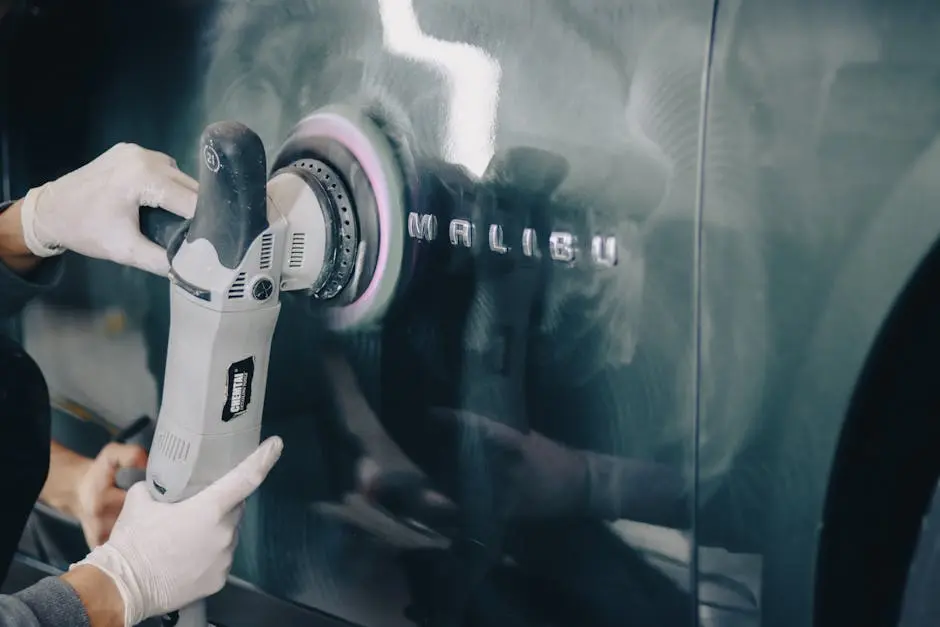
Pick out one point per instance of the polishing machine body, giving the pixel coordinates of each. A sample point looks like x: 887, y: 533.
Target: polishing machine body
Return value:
x: 222, y: 319
x: 328, y: 222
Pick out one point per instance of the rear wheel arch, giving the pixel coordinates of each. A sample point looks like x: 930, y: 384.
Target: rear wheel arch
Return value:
x: 874, y: 295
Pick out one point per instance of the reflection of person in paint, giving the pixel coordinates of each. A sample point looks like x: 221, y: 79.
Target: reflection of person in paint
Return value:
x: 541, y: 478
x: 589, y: 322
x: 536, y: 477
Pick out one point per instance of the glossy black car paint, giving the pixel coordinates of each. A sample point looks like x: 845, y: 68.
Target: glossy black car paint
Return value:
x: 769, y: 168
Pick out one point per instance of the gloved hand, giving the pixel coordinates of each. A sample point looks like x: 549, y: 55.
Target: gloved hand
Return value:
x: 164, y: 556
x: 95, y: 210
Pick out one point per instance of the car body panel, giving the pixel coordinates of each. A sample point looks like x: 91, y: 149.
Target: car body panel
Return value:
x: 766, y: 167
x: 844, y: 124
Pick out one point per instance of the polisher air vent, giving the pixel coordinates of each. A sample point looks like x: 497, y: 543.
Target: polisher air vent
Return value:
x: 267, y: 250
x: 172, y: 446
x: 297, y: 242
x: 238, y: 287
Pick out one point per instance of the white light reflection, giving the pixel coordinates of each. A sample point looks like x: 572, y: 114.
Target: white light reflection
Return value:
x: 472, y: 76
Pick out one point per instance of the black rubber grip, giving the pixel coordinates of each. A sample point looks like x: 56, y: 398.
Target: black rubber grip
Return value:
x: 124, y: 478
x: 139, y: 432
x: 231, y: 210
x: 160, y: 226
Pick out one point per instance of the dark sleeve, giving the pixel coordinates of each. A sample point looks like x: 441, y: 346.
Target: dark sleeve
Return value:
x: 48, y: 603
x: 16, y: 290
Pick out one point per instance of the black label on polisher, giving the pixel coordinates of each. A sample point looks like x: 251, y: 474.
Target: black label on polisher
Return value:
x: 238, y: 391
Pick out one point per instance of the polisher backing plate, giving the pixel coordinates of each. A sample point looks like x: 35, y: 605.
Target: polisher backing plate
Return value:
x: 352, y: 144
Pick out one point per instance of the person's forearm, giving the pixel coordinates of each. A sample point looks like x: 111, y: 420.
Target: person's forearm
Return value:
x: 643, y: 491
x: 98, y: 594
x: 13, y: 250
x: 59, y: 491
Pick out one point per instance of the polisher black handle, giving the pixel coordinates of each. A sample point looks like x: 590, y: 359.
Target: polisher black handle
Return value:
x: 231, y: 210
x: 160, y: 226
x: 138, y: 432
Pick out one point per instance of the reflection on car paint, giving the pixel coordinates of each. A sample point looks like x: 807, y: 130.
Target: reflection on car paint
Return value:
x: 472, y: 437
x: 709, y: 366
x: 470, y: 74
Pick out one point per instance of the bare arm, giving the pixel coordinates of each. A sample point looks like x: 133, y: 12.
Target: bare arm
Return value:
x: 98, y: 594
x: 82, y: 597
x: 13, y: 251
x: 60, y: 489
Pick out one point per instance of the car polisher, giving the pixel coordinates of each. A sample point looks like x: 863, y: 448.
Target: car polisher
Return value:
x: 337, y: 220
x: 328, y: 221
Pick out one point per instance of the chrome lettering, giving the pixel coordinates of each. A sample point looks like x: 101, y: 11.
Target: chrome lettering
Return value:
x: 422, y: 226
x: 530, y: 247
x: 496, y: 239
x: 461, y: 232
x: 604, y: 251
x: 561, y: 246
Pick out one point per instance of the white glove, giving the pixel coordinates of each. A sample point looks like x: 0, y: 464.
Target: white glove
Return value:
x: 94, y: 210
x: 164, y: 556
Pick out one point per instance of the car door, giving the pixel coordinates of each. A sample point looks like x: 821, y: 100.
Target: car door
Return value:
x: 414, y: 490
x: 820, y: 139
